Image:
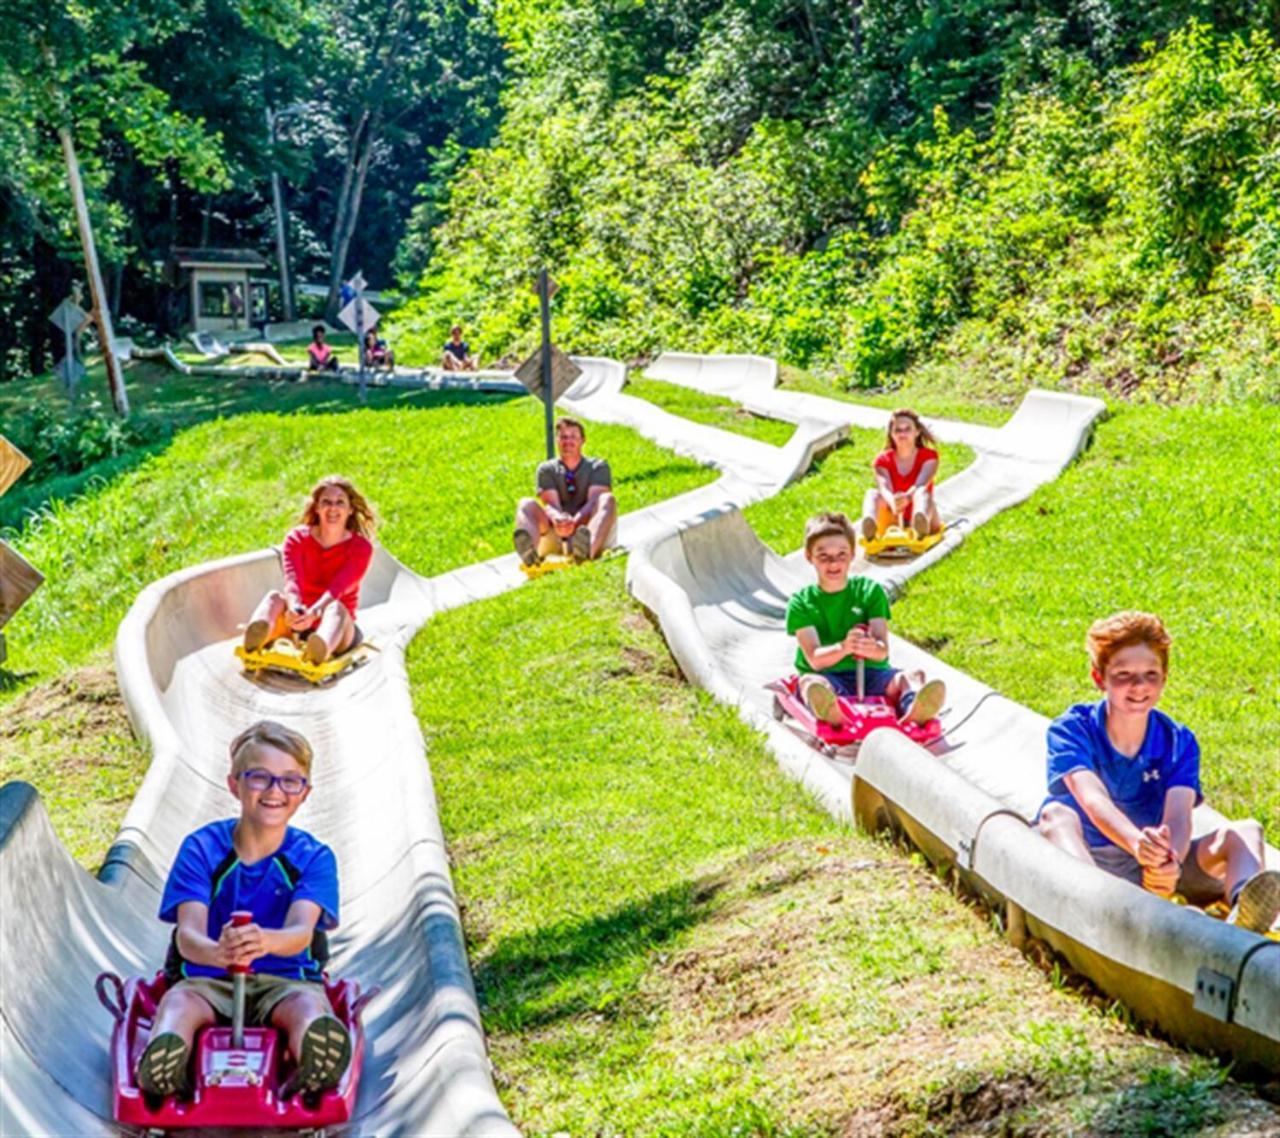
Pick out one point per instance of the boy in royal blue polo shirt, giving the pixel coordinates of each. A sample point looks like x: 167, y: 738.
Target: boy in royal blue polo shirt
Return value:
x: 289, y: 881
x: 1124, y: 779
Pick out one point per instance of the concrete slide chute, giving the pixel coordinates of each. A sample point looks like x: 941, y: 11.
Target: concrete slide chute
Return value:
x: 426, y: 1068
x: 720, y: 595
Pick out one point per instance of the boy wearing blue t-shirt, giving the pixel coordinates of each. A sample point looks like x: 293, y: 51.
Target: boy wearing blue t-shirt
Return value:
x: 1124, y: 779
x: 289, y: 882
x: 841, y: 620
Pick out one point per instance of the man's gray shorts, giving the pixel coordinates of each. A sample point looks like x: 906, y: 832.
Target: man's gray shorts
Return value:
x: 1198, y: 887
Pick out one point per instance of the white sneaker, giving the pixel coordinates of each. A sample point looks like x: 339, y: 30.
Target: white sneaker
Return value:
x: 1258, y: 902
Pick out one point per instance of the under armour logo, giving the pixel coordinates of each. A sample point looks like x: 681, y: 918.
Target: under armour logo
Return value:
x: 1149, y: 776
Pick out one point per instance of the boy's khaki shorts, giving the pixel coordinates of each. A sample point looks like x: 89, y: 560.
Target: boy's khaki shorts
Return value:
x: 261, y: 994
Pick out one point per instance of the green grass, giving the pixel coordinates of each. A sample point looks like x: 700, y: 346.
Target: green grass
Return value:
x: 972, y: 405
x: 710, y: 409
x: 669, y: 939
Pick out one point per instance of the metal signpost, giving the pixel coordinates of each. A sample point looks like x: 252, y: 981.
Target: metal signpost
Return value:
x: 359, y: 315
x: 70, y: 317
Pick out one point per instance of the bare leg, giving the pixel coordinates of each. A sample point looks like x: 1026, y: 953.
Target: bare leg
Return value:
x: 925, y: 509
x: 333, y: 635
x: 184, y: 1013
x: 601, y: 523
x: 267, y: 622
x: 531, y: 523
x: 449, y: 362
x: 318, y: 1042
x: 1061, y: 825
x: 871, y: 503
x: 1233, y: 853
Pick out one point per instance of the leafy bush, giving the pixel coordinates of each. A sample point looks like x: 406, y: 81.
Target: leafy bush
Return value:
x: 67, y: 441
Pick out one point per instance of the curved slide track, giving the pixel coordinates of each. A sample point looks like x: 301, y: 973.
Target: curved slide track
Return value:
x: 426, y: 1069
x: 720, y: 595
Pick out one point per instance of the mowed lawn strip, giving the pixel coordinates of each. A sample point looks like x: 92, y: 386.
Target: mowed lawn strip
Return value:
x: 669, y: 938
x: 699, y: 407
x: 444, y: 489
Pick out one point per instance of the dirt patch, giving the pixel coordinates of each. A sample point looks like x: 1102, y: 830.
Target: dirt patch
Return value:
x: 85, y: 704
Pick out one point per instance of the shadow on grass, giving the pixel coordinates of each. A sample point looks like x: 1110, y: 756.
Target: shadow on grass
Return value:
x: 569, y: 969
x: 1166, y: 1101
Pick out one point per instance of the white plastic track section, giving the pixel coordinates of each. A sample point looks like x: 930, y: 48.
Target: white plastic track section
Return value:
x: 720, y: 596
x: 426, y: 1070
x: 1044, y: 429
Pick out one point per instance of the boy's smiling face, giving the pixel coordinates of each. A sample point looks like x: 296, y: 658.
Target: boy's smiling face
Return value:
x: 1133, y: 681
x: 831, y: 557
x: 272, y: 807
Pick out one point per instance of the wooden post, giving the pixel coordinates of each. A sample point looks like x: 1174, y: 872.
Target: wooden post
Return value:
x: 18, y: 579
x: 101, y: 308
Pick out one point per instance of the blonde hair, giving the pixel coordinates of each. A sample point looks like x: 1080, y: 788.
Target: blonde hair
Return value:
x: 1123, y: 629
x: 827, y: 525
x: 361, y: 520
x: 267, y: 733
x: 925, y: 437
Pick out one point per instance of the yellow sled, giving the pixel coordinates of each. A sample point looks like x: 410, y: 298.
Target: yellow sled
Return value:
x: 900, y: 541
x: 285, y: 655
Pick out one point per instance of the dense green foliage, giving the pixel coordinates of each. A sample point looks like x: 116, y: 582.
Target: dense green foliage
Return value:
x: 857, y: 190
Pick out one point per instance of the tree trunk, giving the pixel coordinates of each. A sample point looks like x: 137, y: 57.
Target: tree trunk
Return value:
x: 349, y: 201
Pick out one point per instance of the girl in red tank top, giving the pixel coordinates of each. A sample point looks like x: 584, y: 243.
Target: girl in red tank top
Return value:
x: 325, y: 558
x: 904, y: 473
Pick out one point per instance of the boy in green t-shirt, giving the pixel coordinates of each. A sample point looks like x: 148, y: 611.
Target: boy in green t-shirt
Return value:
x: 841, y: 620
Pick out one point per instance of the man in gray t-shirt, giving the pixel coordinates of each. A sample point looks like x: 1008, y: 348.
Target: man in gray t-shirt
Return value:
x: 575, y: 502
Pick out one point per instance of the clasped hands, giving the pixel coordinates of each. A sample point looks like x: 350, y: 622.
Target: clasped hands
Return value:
x: 239, y: 946
x: 860, y: 644
x: 563, y: 523
x: 1160, y: 865
x: 300, y: 617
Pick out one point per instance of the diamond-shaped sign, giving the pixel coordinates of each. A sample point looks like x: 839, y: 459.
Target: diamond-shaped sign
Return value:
x: 563, y: 373
x: 358, y: 283
x: 68, y: 316
x: 70, y: 371
x: 12, y: 464
x: 368, y: 316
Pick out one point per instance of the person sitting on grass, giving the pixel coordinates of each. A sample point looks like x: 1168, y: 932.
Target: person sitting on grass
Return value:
x: 904, y: 473
x: 575, y: 502
x: 376, y: 352
x: 1125, y: 777
x: 320, y: 357
x: 457, y: 352
x: 325, y: 559
x: 289, y: 882
x: 841, y: 620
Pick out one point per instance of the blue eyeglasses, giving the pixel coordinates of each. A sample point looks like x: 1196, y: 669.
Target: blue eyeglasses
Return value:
x: 260, y: 780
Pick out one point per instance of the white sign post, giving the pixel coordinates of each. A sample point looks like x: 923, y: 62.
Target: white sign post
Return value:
x: 359, y: 315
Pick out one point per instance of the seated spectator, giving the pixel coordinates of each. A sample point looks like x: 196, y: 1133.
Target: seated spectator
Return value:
x: 457, y: 352
x: 376, y: 352
x: 320, y: 356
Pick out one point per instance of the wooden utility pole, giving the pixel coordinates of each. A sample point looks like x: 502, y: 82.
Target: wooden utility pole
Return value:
x: 101, y: 308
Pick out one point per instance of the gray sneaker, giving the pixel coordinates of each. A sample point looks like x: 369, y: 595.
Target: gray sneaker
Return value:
x: 1258, y: 902
x: 928, y: 702
x: 255, y: 635
x: 821, y: 700
x: 580, y: 544
x: 920, y: 523
x: 527, y: 548
x: 869, y: 531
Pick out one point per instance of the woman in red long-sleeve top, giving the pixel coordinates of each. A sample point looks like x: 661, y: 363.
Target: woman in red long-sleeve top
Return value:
x: 325, y: 559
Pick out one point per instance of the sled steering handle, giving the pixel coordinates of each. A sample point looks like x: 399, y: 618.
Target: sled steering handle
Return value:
x: 239, y: 919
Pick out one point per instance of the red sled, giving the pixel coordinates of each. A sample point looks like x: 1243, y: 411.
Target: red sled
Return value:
x: 862, y: 715
x: 233, y: 1087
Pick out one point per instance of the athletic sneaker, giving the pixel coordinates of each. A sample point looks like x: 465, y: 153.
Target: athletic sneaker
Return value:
x: 527, y: 548
x: 315, y: 651
x: 928, y: 702
x: 580, y: 544
x: 920, y: 522
x: 326, y: 1053
x: 255, y: 635
x: 869, y: 531
x: 162, y: 1070
x: 1258, y: 902
x: 821, y: 700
